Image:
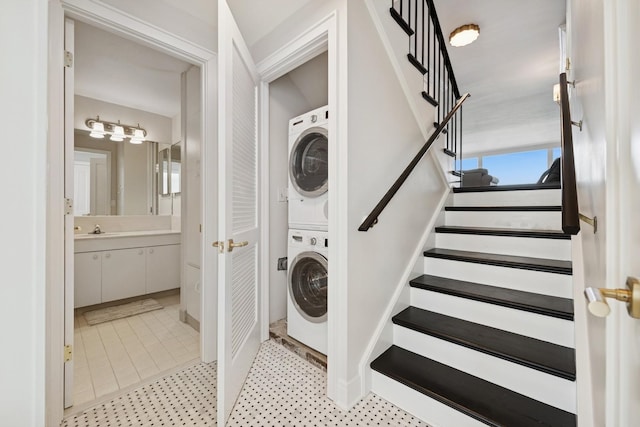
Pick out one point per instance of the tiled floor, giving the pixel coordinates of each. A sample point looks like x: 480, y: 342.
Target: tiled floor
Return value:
x: 115, y: 355
x: 282, y: 390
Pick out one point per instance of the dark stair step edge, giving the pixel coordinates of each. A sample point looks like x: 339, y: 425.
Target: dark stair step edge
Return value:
x: 503, y: 208
x: 504, y: 232
x: 519, y: 187
x: 473, y: 396
x: 400, y: 21
x: 510, y: 261
x: 414, y: 61
x: 542, y: 356
x: 449, y: 152
x: 560, y: 308
x: 431, y: 100
x: 445, y: 131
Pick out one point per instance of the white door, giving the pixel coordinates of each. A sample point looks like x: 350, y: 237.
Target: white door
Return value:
x: 623, y: 182
x: 238, y: 291
x: 68, y: 219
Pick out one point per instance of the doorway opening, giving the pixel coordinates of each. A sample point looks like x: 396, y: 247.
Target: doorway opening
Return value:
x: 134, y: 306
x: 298, y: 151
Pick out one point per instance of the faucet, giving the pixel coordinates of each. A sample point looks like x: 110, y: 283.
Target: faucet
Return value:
x: 96, y: 229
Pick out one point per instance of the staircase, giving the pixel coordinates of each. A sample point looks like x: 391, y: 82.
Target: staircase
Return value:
x: 488, y: 337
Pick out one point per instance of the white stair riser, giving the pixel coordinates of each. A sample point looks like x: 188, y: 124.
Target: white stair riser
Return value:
x: 509, y: 198
x: 538, y: 385
x: 545, y: 328
x: 539, y: 282
x: 429, y: 410
x: 517, y: 246
x: 545, y: 220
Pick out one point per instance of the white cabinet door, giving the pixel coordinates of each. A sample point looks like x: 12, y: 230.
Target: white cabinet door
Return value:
x: 87, y: 279
x: 123, y: 273
x: 163, y: 268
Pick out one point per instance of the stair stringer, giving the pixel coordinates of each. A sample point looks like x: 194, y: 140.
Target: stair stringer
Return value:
x: 383, y: 335
x: 585, y: 370
x: 395, y: 42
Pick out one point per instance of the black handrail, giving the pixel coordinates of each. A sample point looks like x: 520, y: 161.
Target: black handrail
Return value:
x: 372, y: 219
x: 570, y: 215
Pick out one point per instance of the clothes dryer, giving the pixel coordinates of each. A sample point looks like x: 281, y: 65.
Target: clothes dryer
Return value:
x: 308, y: 170
x: 307, y: 288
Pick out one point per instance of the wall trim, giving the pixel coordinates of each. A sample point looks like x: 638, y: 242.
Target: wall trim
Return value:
x: 376, y: 346
x: 98, y: 14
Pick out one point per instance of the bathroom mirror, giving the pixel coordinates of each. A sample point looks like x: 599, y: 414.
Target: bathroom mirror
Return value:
x: 169, y: 170
x: 113, y: 178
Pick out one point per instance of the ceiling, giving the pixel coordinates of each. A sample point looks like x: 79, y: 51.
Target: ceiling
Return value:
x: 117, y: 70
x: 509, y: 71
x: 257, y: 18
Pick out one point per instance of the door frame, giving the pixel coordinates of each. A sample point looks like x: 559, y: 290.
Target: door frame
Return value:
x: 319, y: 38
x: 111, y: 19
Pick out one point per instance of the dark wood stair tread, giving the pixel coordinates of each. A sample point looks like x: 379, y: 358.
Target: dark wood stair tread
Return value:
x: 504, y: 232
x: 510, y: 261
x: 431, y: 100
x: 543, y: 356
x: 417, y: 64
x: 561, y: 308
x: 475, y: 397
x: 504, y: 208
x: 518, y: 187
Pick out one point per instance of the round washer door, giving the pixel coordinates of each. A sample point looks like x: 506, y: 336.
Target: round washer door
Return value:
x: 308, y: 165
x: 308, y: 286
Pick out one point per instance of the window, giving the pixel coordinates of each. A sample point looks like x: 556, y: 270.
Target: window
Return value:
x: 524, y: 167
x: 470, y: 163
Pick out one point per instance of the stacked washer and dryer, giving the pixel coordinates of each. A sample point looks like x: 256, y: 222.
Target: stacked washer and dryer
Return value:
x: 308, y: 225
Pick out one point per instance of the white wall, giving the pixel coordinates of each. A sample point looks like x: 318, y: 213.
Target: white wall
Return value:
x: 298, y: 23
x: 587, y: 52
x: 285, y: 102
x: 193, y: 20
x: 23, y: 38
x: 383, y: 138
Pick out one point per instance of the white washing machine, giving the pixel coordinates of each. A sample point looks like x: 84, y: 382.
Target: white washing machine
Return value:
x: 307, y: 288
x: 308, y: 170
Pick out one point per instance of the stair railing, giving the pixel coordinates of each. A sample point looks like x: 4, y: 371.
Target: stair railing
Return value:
x: 372, y: 218
x: 428, y: 54
x: 570, y: 214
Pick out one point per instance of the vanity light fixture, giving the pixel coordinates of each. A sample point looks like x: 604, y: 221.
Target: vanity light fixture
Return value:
x: 97, y: 129
x: 117, y: 131
x: 464, y: 35
x: 138, y: 136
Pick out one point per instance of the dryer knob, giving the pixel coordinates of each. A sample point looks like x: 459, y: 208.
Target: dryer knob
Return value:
x: 314, y: 241
x: 314, y: 118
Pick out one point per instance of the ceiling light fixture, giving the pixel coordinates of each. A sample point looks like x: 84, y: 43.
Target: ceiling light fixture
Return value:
x: 117, y: 131
x: 464, y: 35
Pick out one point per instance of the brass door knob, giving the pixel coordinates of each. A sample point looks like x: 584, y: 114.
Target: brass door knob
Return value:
x: 597, y: 303
x: 219, y: 245
x: 232, y: 245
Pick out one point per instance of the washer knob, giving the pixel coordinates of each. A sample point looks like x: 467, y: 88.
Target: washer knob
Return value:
x: 313, y: 241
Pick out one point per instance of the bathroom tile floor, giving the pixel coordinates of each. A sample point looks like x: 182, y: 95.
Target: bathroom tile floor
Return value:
x: 116, y: 355
x: 282, y: 389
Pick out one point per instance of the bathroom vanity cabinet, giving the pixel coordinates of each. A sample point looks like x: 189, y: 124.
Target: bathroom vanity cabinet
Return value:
x: 121, y: 271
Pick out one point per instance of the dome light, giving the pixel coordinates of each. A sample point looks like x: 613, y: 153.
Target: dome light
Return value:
x: 464, y: 35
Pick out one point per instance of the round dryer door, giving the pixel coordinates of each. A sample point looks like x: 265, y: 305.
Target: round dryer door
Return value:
x: 308, y: 286
x: 308, y: 162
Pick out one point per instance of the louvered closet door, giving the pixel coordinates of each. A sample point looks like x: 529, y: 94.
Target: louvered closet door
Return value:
x: 239, y: 337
